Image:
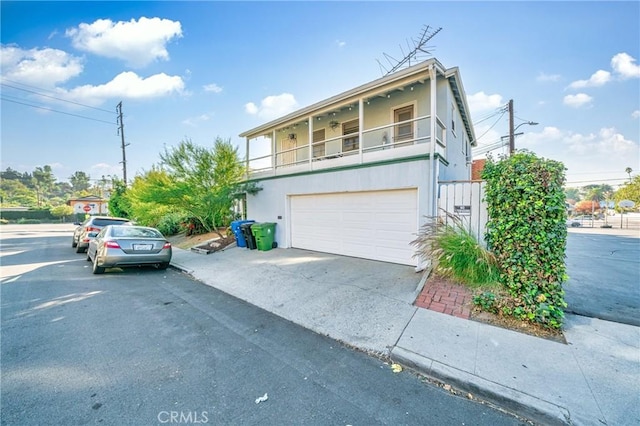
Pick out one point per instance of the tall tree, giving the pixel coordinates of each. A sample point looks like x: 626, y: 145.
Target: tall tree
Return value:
x: 10, y: 174
x: 119, y: 204
x: 43, y: 180
x: 598, y: 192
x: 572, y: 194
x: 629, y: 191
x: 15, y: 193
x: 205, y: 181
x: 80, y: 181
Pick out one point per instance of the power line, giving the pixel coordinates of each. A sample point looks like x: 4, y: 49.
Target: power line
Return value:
x: 54, y: 110
x: 492, y: 126
x: 56, y: 98
x: 595, y: 180
x: 490, y: 115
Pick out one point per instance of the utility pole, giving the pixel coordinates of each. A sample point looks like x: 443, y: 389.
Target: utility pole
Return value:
x: 121, y: 131
x: 512, y: 141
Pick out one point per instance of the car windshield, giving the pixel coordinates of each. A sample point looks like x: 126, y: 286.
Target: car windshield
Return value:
x: 133, y: 232
x: 105, y: 222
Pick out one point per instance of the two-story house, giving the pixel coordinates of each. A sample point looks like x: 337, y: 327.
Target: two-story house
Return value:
x: 356, y: 174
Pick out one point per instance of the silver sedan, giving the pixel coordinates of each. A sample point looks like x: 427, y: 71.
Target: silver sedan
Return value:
x: 125, y: 246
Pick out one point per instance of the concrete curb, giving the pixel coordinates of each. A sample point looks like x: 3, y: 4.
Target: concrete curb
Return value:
x: 513, y: 400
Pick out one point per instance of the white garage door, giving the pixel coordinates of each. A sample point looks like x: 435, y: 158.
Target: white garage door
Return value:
x: 378, y: 225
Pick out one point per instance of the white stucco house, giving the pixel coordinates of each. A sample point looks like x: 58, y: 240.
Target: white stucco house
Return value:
x: 357, y: 173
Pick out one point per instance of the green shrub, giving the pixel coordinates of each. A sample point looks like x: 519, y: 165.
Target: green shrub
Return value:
x: 171, y: 223
x: 527, y: 233
x: 3, y: 221
x: 486, y: 301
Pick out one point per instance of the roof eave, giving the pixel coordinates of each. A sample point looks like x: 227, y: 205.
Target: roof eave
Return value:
x: 304, y: 112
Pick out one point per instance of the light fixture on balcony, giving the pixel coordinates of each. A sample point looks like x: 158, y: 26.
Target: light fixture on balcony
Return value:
x: 388, y: 95
x: 411, y: 88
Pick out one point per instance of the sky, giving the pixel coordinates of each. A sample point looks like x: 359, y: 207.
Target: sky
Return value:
x: 202, y: 70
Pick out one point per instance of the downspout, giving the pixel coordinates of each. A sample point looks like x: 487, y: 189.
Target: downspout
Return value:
x: 433, y: 177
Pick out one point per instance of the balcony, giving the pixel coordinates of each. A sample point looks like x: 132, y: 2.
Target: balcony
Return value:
x: 287, y: 150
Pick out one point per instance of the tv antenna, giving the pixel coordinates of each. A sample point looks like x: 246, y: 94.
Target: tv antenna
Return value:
x: 417, y: 52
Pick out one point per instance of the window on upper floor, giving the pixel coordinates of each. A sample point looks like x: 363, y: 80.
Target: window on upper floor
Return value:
x: 453, y: 119
x: 350, y: 141
x: 403, y: 131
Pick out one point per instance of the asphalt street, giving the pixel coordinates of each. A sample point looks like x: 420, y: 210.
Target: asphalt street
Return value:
x: 141, y: 346
x: 604, y: 275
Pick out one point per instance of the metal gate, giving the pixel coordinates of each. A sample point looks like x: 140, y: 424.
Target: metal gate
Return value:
x: 465, y: 201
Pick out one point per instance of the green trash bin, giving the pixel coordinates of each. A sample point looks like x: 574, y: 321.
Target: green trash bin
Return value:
x: 264, y: 234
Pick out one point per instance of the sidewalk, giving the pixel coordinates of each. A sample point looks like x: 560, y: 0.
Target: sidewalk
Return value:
x: 592, y: 380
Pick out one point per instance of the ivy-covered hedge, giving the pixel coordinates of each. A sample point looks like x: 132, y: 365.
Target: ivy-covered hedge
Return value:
x: 527, y: 234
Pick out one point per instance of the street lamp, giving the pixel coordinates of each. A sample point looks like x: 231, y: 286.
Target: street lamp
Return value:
x: 513, y: 134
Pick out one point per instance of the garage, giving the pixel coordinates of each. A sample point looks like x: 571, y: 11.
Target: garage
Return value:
x: 377, y: 225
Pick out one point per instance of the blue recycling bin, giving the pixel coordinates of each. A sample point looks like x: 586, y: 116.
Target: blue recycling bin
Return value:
x: 237, y: 231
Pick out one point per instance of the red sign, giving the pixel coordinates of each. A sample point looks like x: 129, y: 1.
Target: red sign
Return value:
x: 87, y: 208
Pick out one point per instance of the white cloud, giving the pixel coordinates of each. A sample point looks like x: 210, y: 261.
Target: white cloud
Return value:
x: 38, y: 67
x: 584, y: 155
x: 607, y: 142
x: 599, y: 78
x: 127, y: 85
x: 481, y: 102
x: 193, y: 121
x: 138, y: 43
x: 273, y: 106
x: 251, y: 108
x: 542, y: 77
x: 623, y: 64
x: 341, y: 43
x: 212, y: 88
x: 635, y: 114
x: 100, y: 169
x: 578, y: 100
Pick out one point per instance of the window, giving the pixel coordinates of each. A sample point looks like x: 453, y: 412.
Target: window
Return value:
x: 318, y: 148
x: 351, y: 140
x: 453, y: 119
x: 404, y: 131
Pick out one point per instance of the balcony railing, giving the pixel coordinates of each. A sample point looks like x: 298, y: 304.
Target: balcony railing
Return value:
x: 393, y: 140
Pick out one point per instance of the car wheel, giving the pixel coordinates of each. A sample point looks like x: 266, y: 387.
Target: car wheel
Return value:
x: 88, y: 258
x: 162, y: 266
x: 74, y: 243
x: 575, y: 225
x: 80, y: 249
x: 97, y: 269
